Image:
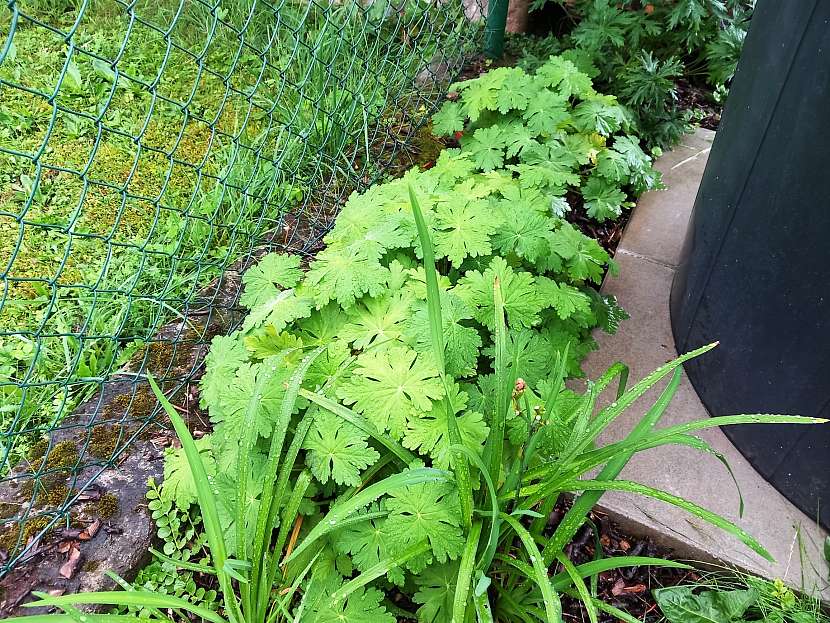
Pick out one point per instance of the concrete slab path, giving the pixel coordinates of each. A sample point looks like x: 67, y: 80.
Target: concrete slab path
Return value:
x: 648, y: 255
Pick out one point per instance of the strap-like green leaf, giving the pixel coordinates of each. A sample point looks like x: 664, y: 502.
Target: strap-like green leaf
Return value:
x: 379, y: 569
x: 553, y: 607
x: 265, y: 563
x: 612, y: 411
x: 621, y: 615
x: 691, y: 507
x: 465, y: 573
x: 505, y: 382
x: 292, y: 507
x: 208, y: 506
x: 436, y: 328
x: 583, y: 504
x: 138, y: 598
x: 68, y: 618
x: 579, y: 585
x: 493, y: 537
x: 403, y: 455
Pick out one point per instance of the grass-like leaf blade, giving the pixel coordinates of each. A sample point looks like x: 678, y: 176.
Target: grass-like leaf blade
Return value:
x: 138, y: 598
x: 579, y: 585
x: 207, y: 505
x: 466, y: 566
x: 669, y: 498
x: 584, y: 503
x: 436, y: 329
x: 379, y: 569
x: 403, y: 455
x: 553, y: 607
x: 494, y: 449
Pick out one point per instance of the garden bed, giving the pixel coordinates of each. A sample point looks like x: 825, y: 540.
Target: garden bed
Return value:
x: 382, y: 429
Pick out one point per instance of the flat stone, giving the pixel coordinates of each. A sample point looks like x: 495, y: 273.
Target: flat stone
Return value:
x: 645, y: 342
x: 658, y: 226
x: 119, y: 542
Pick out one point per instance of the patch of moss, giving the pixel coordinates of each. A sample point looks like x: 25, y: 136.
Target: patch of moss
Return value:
x: 162, y: 357
x: 57, y: 494
x: 53, y: 489
x: 27, y: 488
x: 103, y: 440
x: 131, y: 405
x: 427, y: 146
x: 8, y: 510
x: 107, y: 506
x: 54, y: 481
x: 90, y: 566
x: 22, y: 532
x: 9, y: 538
x: 34, y: 526
x: 62, y: 455
x: 38, y: 450
x: 143, y: 402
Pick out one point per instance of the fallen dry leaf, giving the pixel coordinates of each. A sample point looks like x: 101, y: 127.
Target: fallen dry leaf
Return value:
x: 68, y: 568
x: 620, y: 588
x: 70, y: 533
x: 90, y: 531
x: 90, y: 495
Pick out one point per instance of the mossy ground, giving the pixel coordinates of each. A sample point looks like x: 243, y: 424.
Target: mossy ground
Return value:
x: 8, y: 510
x: 107, y: 506
x: 20, y: 533
x: 103, y: 441
x: 51, y: 471
x: 48, y: 487
x: 120, y: 417
x: 63, y: 455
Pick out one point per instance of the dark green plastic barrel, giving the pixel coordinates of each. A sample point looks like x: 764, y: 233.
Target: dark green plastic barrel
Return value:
x: 755, y: 272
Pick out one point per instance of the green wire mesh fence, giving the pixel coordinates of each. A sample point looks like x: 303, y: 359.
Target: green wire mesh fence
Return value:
x: 146, y: 148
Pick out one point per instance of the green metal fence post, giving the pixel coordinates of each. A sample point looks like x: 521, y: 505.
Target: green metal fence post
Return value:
x: 494, y: 30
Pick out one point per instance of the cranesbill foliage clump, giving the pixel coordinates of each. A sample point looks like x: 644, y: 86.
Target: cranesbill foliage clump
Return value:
x: 644, y: 51
x: 553, y: 133
x: 494, y: 208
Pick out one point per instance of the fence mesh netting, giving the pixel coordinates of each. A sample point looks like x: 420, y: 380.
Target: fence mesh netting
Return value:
x: 151, y: 149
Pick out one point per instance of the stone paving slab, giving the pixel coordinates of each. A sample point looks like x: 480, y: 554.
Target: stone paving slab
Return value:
x: 647, y: 255
x: 655, y: 231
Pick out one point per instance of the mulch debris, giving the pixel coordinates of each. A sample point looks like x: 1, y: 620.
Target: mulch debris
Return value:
x: 628, y: 588
x: 699, y: 100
